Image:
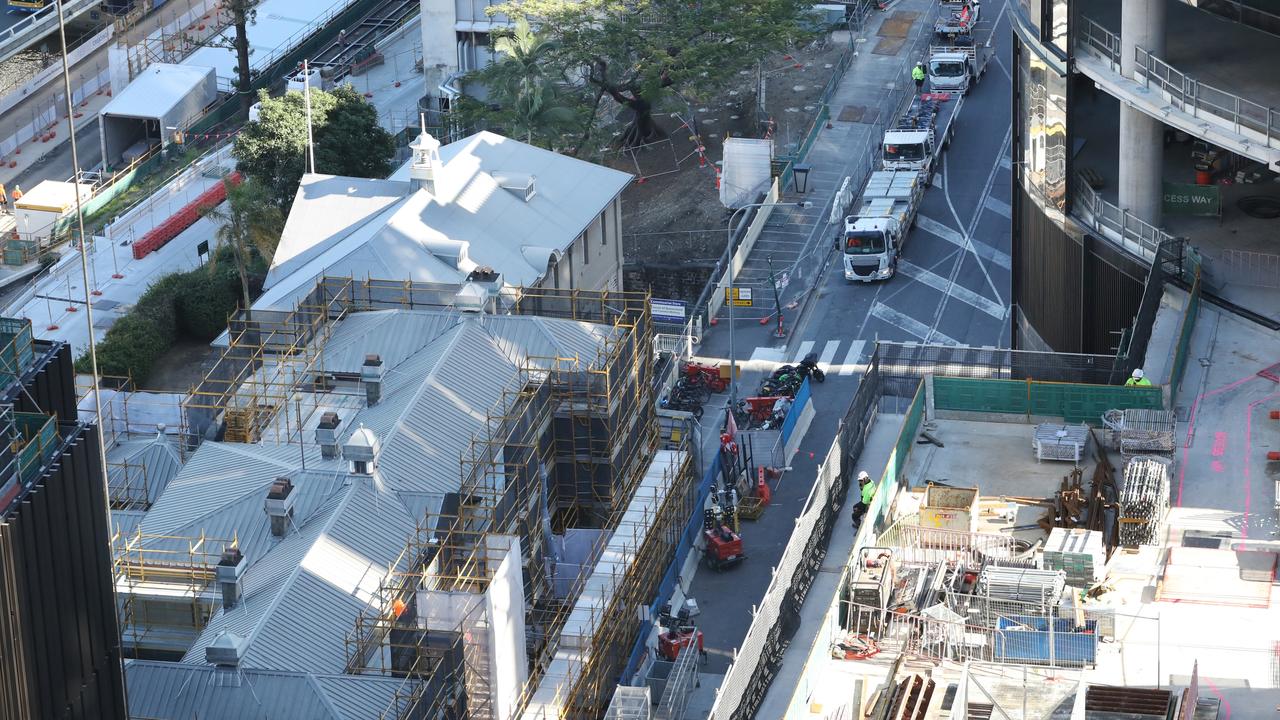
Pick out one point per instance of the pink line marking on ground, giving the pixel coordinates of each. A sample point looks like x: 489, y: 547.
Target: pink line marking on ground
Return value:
x: 1219, y: 444
x: 1226, y: 706
x: 1191, y: 426
x: 1216, y: 465
x: 1248, y: 444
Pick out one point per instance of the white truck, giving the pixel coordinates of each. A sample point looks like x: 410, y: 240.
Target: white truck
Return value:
x: 957, y: 17
x: 958, y: 60
x: 875, y: 233
x: 917, y: 140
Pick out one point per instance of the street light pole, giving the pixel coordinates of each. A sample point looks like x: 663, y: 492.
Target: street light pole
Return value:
x: 731, y: 297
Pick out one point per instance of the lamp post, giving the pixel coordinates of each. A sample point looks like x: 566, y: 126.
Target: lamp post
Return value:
x: 731, y: 298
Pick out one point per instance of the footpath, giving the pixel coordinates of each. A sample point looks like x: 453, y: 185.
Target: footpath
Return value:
x: 800, y: 241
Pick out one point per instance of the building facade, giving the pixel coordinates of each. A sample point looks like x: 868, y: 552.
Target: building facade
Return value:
x: 59, y: 646
x: 1114, y: 120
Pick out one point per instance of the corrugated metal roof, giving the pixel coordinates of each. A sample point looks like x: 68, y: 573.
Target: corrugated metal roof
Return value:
x: 392, y: 334
x: 179, y: 691
x: 154, y: 456
x: 301, y: 599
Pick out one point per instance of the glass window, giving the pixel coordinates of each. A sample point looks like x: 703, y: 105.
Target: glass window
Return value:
x: 1056, y: 32
x: 1033, y: 10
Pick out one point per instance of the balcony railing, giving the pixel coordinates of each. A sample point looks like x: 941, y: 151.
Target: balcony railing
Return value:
x: 1253, y: 120
x: 1133, y: 234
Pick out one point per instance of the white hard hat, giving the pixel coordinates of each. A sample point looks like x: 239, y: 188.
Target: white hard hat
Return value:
x: 1137, y: 374
x: 863, y: 476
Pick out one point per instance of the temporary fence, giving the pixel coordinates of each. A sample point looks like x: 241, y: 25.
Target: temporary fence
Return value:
x: 1250, y: 268
x: 1073, y: 402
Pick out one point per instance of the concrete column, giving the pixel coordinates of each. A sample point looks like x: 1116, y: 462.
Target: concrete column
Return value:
x: 1142, y: 24
x: 439, y: 42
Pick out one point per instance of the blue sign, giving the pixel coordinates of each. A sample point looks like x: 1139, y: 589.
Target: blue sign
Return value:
x: 668, y: 311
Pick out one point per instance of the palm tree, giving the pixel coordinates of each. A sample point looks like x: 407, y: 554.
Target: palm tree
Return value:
x: 521, y: 84
x: 248, y: 223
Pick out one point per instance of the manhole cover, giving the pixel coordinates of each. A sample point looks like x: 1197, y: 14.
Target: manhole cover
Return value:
x: 858, y: 114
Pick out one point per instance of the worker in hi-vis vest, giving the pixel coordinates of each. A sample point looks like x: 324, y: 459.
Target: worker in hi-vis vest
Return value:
x: 866, y: 491
x: 917, y: 74
x: 1138, y: 379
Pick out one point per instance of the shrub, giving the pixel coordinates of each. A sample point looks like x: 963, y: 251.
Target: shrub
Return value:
x: 210, y: 295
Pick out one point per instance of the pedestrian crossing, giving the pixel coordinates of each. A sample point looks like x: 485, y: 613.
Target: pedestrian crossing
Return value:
x: 852, y: 362
x: 955, y: 237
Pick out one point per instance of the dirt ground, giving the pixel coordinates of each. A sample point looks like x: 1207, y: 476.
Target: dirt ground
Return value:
x: 180, y: 368
x: 672, y: 215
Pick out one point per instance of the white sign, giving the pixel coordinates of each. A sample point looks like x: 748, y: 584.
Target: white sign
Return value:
x: 782, y: 281
x: 672, y: 311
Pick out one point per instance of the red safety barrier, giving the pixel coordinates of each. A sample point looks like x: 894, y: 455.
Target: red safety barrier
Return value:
x: 183, y: 219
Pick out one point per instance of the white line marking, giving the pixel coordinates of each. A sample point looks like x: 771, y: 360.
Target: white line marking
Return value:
x: 909, y: 324
x: 806, y: 347
x: 986, y: 252
x: 767, y: 354
x: 998, y: 206
x: 1006, y: 163
x: 829, y: 352
x: 959, y: 292
x: 853, y: 358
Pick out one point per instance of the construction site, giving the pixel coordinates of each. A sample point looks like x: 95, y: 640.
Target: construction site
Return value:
x: 1033, y: 550
x: 395, y: 489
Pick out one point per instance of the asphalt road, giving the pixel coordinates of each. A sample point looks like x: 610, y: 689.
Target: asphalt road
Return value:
x: 953, y: 287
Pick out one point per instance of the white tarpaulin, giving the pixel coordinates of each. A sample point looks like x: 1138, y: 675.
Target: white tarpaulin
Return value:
x: 746, y: 170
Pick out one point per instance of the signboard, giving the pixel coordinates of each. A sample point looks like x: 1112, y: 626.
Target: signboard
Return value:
x: 782, y: 281
x: 739, y: 296
x: 668, y: 311
x: 1188, y: 199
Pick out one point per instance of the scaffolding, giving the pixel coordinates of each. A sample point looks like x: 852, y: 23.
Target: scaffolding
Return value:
x: 163, y: 585
x: 565, y: 447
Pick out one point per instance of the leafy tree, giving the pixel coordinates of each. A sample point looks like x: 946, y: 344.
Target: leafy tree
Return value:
x: 530, y: 98
x: 250, y: 225
x: 351, y: 142
x: 243, y: 14
x: 273, y: 149
x: 638, y: 51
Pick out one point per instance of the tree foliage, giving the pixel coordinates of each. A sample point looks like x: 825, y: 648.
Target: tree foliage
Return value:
x: 639, y: 51
x: 272, y: 150
x: 530, y: 98
x: 249, y: 227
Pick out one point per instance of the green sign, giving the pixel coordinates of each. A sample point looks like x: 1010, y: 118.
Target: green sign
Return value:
x: 1187, y: 199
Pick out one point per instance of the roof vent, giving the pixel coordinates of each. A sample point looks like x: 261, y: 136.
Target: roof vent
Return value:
x: 519, y: 184
x: 279, y: 505
x: 327, y: 434
x: 371, y: 375
x: 361, y: 451
x: 229, y: 572
x: 226, y: 650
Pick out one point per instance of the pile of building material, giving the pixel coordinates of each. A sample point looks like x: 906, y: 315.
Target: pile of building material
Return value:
x: 1136, y: 431
x: 1144, y: 500
x: 1039, y: 587
x: 1052, y: 441
x: 1078, y: 553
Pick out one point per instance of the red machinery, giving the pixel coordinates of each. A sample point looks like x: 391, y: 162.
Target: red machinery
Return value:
x: 759, y: 409
x: 708, y: 375
x: 671, y: 642
x: 724, y: 548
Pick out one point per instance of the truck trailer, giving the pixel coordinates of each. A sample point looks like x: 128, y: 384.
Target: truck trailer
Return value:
x: 917, y: 140
x: 875, y: 233
x: 958, y: 60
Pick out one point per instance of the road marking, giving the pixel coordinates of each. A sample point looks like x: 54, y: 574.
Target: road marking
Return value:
x: 806, y: 347
x: 829, y: 352
x: 1006, y: 163
x: 766, y: 354
x: 986, y: 252
x: 998, y: 206
x: 955, y: 290
x: 907, y: 323
x: 853, y: 358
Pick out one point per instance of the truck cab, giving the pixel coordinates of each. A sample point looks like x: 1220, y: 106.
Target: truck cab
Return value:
x: 908, y: 150
x: 950, y: 71
x: 870, y: 251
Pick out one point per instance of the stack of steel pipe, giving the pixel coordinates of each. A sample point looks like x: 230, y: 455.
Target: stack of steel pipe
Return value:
x: 1041, y: 587
x: 1144, y: 500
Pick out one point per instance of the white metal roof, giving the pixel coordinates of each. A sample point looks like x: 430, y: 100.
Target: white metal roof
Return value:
x: 349, y: 227
x: 178, y: 690
x: 156, y: 90
x: 53, y: 196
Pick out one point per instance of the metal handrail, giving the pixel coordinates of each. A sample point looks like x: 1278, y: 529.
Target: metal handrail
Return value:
x: 1135, y: 235
x: 1186, y: 93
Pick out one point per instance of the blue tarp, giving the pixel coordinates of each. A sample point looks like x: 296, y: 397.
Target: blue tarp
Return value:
x: 1024, y: 638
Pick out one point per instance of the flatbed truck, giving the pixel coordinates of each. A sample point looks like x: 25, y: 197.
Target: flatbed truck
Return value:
x: 917, y: 139
x: 958, y: 60
x: 877, y: 230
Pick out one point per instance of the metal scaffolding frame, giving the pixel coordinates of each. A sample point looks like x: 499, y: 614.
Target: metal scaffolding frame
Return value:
x: 178, y: 568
